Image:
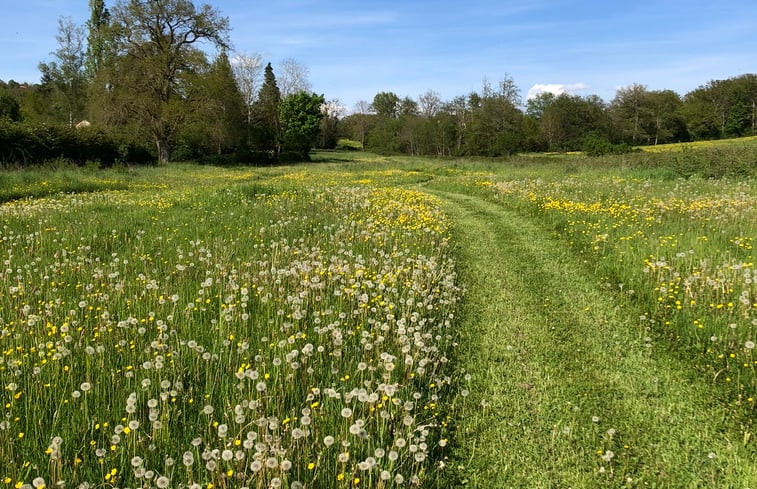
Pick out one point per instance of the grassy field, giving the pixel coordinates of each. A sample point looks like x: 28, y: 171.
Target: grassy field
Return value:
x: 365, y: 321
x: 717, y: 143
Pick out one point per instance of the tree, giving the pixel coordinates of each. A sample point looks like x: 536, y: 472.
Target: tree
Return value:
x: 386, y: 104
x: 293, y: 77
x: 386, y: 136
x: 157, y: 61
x: 66, y: 75
x: 248, y: 71
x: 301, y: 116
x: 536, y: 106
x: 429, y: 103
x: 97, y: 37
x: 631, y: 113
x: 509, y: 91
x: 333, y: 111
x: 749, y: 82
x: 495, y: 126
x: 700, y: 116
x: 741, y: 119
x: 717, y: 92
x: 223, y: 107
x: 408, y: 106
x: 458, y: 107
x: 666, y: 123
x: 362, y: 115
x: 267, y: 134
x: 569, y: 119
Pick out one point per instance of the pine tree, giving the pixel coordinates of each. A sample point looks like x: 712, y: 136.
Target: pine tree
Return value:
x: 224, y: 103
x: 267, y: 133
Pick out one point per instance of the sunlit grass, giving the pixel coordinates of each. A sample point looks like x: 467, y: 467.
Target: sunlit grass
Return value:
x: 715, y: 143
x: 296, y: 326
x: 278, y: 332
x: 683, y: 249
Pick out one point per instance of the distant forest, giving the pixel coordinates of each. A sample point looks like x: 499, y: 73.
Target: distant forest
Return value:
x: 133, y: 85
x: 496, y: 122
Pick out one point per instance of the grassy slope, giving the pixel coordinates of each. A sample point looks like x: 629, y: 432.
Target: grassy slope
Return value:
x: 549, y: 351
x: 660, y: 148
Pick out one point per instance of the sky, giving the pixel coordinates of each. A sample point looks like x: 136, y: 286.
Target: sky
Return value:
x: 355, y: 49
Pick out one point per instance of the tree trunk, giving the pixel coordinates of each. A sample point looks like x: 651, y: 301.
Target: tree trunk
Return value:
x: 164, y: 151
x: 657, y: 130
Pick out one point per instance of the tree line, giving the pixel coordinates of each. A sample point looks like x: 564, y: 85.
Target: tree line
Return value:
x: 139, y: 70
x: 494, y: 121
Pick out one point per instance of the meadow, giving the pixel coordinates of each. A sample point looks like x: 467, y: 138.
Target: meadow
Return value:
x: 316, y: 325
x: 682, y: 249
x: 273, y: 333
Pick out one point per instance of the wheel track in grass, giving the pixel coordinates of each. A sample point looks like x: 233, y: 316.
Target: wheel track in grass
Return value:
x: 560, y: 365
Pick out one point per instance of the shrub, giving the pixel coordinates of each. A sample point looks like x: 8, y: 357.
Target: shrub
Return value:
x: 348, y: 145
x: 594, y: 145
x: 26, y: 145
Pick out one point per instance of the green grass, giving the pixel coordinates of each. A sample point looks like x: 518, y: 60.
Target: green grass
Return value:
x: 716, y: 143
x: 568, y: 362
x: 234, y: 326
x: 568, y: 387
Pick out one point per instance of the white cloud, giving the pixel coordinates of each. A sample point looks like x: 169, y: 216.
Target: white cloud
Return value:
x: 555, y: 88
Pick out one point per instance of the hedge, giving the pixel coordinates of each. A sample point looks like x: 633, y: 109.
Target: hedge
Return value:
x: 27, y: 145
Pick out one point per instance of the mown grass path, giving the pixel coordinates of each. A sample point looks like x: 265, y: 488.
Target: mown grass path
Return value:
x: 568, y: 389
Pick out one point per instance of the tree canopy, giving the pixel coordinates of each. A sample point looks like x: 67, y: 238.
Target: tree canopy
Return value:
x: 157, y: 59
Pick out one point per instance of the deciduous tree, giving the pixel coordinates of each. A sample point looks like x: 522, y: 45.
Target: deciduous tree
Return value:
x: 10, y: 109
x: 386, y: 104
x: 248, y: 71
x: 429, y: 103
x: 301, y: 116
x: 157, y: 62
x: 97, y: 37
x: 631, y: 113
x: 66, y: 74
x: 293, y: 77
x: 223, y: 109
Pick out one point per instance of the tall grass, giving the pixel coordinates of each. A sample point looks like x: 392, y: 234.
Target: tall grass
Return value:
x: 682, y: 249
x: 267, y: 334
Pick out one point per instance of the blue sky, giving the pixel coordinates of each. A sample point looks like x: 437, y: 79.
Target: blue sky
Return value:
x: 355, y: 49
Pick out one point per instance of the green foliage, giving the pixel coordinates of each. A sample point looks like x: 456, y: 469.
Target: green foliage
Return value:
x: 219, y: 114
x: 348, y: 145
x: 152, y: 79
x: 357, y: 126
x: 569, y: 118
x: 10, y: 109
x: 594, y: 145
x: 384, y: 138
x: 26, y: 145
x: 492, y: 123
x: 386, y: 104
x: 266, y: 132
x: 723, y: 108
x: 301, y: 117
x: 97, y: 37
x: 65, y: 76
x: 494, y: 128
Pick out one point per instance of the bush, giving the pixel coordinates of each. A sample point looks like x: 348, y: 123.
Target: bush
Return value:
x: 348, y: 145
x: 27, y: 145
x: 594, y: 145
